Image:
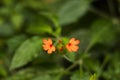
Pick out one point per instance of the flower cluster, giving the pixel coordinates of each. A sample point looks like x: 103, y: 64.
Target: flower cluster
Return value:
x: 71, y: 46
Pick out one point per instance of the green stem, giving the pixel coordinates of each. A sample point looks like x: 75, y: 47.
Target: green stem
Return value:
x: 80, y: 68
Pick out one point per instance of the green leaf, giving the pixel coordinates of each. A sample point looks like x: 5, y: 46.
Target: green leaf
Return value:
x: 45, y: 77
x: 93, y: 64
x: 101, y: 31
x: 3, y: 71
x: 25, y: 74
x: 17, y: 21
x: 7, y: 2
x: 40, y: 27
x: 52, y: 17
x: 36, y: 73
x: 72, y: 10
x: 106, y: 28
x: 1, y: 21
x: 14, y: 42
x: 26, y: 52
x: 54, y: 20
x: 5, y: 11
x: 93, y: 77
x: 80, y: 76
x: 33, y: 4
x: 6, y: 30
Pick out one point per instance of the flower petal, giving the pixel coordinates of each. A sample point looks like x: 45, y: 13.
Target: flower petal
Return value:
x: 76, y: 42
x: 49, y: 40
x: 74, y: 48
x: 49, y: 51
x: 68, y: 48
x: 53, y: 48
x: 72, y: 40
x: 45, y: 41
x: 45, y: 47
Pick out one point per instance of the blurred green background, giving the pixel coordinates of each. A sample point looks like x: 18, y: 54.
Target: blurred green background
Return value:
x: 24, y: 23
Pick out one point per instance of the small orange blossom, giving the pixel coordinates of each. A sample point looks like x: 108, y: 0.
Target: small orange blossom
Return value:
x: 72, y: 45
x: 48, y: 46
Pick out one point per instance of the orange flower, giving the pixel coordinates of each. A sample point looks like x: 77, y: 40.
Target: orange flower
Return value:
x: 48, y: 46
x: 72, y: 45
